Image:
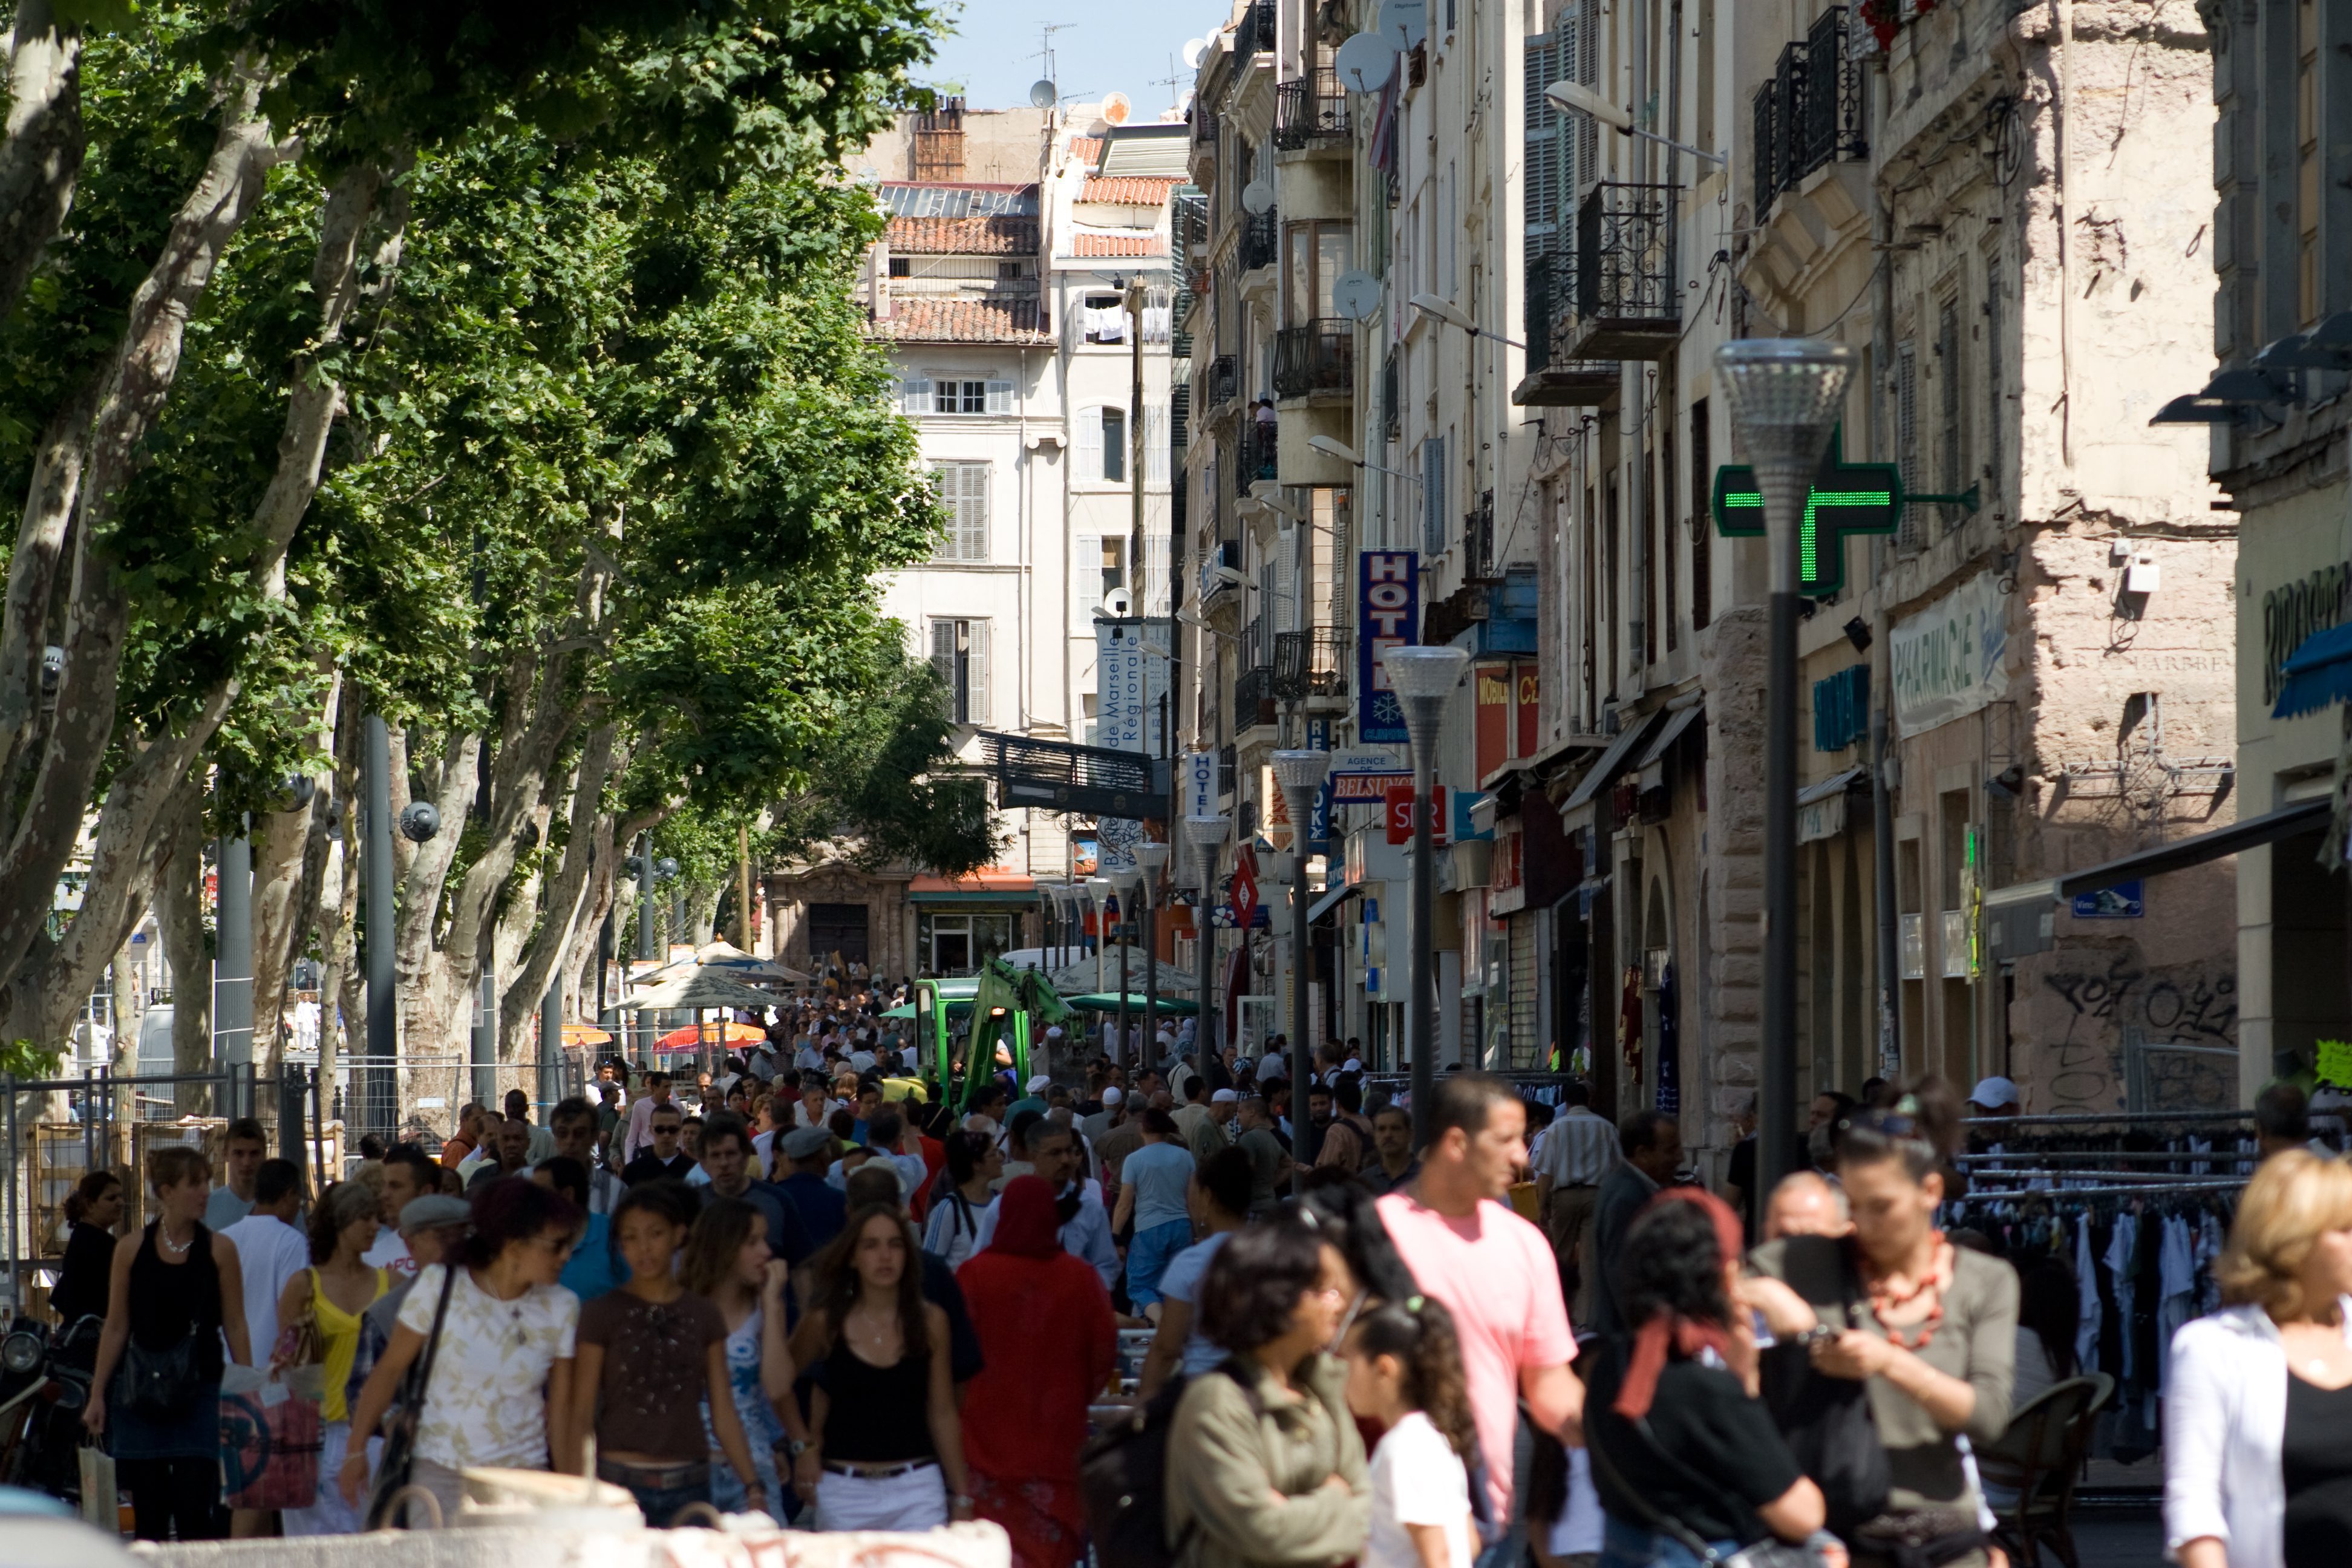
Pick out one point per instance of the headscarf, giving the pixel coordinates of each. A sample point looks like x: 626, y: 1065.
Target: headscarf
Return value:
x: 1026, y: 1222
x: 1688, y: 1336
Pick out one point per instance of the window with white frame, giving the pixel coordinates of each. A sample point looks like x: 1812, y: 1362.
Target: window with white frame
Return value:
x: 1102, y: 445
x: 963, y: 487
x: 960, y: 656
x: 920, y: 393
x: 1100, y: 565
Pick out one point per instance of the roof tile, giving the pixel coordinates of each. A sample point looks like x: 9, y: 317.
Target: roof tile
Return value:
x: 1116, y: 244
x: 963, y: 235
x: 1134, y: 191
x: 923, y: 320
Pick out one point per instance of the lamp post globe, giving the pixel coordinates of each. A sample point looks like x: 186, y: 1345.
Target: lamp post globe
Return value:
x: 1783, y: 395
x: 1423, y: 678
x: 1098, y: 891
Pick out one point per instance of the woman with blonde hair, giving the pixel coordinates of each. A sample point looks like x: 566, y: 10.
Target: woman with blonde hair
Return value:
x: 2258, y: 1402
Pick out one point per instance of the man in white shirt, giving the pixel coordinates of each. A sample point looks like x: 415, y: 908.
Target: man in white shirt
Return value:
x: 408, y: 1174
x: 573, y: 1123
x: 640, y: 1136
x: 1054, y: 1150
x: 1575, y: 1152
x: 269, y: 1249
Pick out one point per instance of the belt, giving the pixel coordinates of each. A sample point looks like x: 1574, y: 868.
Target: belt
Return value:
x: 878, y: 1472
x: 673, y: 1473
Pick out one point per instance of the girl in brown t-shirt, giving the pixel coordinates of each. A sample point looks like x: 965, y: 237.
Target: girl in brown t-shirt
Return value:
x: 651, y: 1352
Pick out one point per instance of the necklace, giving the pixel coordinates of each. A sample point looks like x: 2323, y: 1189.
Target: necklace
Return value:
x: 1938, y: 1277
x: 176, y: 1249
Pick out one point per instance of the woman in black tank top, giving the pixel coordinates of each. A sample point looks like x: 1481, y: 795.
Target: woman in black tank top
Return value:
x: 889, y: 1453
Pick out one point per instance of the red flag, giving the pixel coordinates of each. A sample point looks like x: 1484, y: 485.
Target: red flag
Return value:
x: 1245, y: 887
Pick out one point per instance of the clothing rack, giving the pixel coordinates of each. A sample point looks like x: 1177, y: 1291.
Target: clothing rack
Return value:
x: 2064, y: 1196
x: 2103, y: 1118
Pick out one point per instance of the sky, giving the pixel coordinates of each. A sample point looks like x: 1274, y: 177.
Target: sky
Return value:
x: 1123, y: 46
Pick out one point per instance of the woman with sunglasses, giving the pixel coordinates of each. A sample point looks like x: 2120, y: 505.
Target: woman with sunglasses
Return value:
x: 1929, y: 1327
x: 1264, y: 1462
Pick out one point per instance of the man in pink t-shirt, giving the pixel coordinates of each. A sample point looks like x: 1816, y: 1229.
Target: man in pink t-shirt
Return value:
x: 1493, y: 1270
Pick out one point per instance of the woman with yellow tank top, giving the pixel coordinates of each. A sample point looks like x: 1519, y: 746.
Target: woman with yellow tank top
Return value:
x: 332, y: 1294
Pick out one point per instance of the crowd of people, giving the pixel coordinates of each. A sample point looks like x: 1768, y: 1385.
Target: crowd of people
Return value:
x: 796, y: 1287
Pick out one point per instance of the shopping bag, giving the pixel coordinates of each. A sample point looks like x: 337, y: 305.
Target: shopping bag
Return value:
x: 102, y: 1504
x: 270, y: 1438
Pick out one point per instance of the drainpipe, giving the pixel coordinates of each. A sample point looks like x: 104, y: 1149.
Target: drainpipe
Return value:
x: 1881, y: 756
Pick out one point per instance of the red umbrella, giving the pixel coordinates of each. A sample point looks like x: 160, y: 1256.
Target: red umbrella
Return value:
x: 680, y: 1038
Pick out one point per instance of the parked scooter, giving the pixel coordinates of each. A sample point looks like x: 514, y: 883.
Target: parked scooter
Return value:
x: 45, y: 1378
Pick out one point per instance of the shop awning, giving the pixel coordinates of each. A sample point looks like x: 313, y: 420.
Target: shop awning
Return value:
x: 1678, y: 721
x: 989, y: 886
x: 1837, y: 784
x: 1612, y: 761
x: 2250, y: 833
x: 2318, y: 674
x: 1331, y: 901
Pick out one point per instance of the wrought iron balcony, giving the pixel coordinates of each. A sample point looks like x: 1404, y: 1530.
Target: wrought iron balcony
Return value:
x: 1223, y: 556
x: 1259, y: 463
x: 1312, y: 663
x: 1253, y: 698
x: 1561, y: 383
x: 1478, y: 563
x: 1318, y: 357
x: 1627, y: 303
x: 1391, y: 384
x: 1254, y: 33
x: 1223, y: 383
x: 1261, y: 239
x: 1226, y: 767
x: 1810, y: 112
x: 1308, y: 109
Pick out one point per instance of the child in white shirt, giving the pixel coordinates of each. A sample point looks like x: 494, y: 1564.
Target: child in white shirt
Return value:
x: 1404, y: 1371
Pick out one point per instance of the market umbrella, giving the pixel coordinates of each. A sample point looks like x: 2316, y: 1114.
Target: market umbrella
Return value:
x: 678, y: 1039
x: 586, y: 1035
x: 697, y: 990
x: 723, y: 958
x: 1107, y: 1001
x: 1080, y: 976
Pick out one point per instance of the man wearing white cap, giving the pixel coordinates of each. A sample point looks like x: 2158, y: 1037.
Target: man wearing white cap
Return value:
x: 1994, y: 1096
x: 1097, y: 1126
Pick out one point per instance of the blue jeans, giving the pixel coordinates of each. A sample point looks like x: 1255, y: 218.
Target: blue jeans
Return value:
x: 660, y: 1504
x: 1626, y: 1545
x: 1147, y: 1257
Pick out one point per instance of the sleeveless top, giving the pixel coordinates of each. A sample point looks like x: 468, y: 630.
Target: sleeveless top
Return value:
x: 168, y: 1301
x: 339, y: 1342
x: 877, y: 1414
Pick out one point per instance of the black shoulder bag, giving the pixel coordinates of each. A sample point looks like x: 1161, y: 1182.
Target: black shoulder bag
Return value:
x: 1826, y: 1421
x: 392, y: 1476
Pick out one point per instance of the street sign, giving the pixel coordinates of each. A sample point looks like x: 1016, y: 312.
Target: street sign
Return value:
x: 1244, y: 886
x: 1846, y: 499
x: 2123, y: 901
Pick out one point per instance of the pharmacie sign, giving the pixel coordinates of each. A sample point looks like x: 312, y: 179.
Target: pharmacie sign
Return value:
x: 2294, y: 611
x: 1947, y: 659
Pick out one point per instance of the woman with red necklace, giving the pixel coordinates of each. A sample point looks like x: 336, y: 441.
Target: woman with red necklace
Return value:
x: 1930, y: 1328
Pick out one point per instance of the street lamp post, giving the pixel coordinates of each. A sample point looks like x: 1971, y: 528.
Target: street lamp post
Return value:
x: 1151, y: 860
x: 1098, y: 890
x: 1423, y: 678
x: 1783, y: 395
x: 1301, y: 773
x: 1127, y: 879
x: 1206, y: 834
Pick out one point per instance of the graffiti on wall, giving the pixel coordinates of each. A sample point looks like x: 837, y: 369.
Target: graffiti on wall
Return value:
x: 2092, y: 1018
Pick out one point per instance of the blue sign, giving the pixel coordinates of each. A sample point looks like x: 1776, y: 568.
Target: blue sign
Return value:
x: 1318, y: 818
x: 2123, y: 901
x: 1388, y: 614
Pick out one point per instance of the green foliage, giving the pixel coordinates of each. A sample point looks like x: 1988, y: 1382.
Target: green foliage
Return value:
x: 23, y: 1059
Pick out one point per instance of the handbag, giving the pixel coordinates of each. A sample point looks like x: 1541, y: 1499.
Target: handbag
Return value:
x: 1770, y: 1553
x: 399, y: 1459
x: 270, y: 1439
x: 163, y: 1382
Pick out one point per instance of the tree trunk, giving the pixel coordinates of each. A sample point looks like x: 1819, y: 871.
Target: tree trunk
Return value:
x: 41, y: 159
x: 130, y: 1012
x: 179, y: 924
x: 561, y: 923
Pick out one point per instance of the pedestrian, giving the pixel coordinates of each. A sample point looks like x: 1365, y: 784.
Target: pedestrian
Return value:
x: 332, y: 1294
x: 727, y: 1163
x: 974, y: 1162
x: 652, y: 1357
x: 271, y: 1249
x: 404, y: 1174
x: 572, y: 1125
x: 501, y: 1390
x: 661, y: 1159
x: 85, y: 1280
x: 1393, y: 1163
x: 2256, y: 1455
x: 1337, y: 1143
x: 242, y: 1148
x: 1219, y: 1200
x: 888, y: 1450
x: 1265, y: 1463
x: 1269, y: 1160
x: 1569, y: 1162
x: 1151, y: 1192
x: 728, y: 1262
x: 1404, y: 1374
x: 1934, y: 1337
x: 1804, y: 1204
x: 806, y: 1155
x: 595, y: 1265
x: 430, y: 1225
x: 1048, y: 1342
x: 164, y: 1331
x: 1650, y: 1143
x: 1682, y: 1448
x: 639, y: 1134
x: 509, y: 1153
x: 877, y: 1184
x: 1495, y: 1272
x: 541, y: 1139
x: 1085, y: 1223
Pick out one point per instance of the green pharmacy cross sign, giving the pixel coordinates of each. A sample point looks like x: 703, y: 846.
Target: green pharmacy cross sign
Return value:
x: 1845, y: 498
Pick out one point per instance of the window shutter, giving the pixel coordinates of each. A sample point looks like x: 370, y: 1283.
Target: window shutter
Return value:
x: 943, y: 659
x: 1090, y: 444
x: 1155, y: 574
x: 1085, y: 575
x: 1432, y: 495
x: 1000, y: 397
x: 976, y: 703
x: 1288, y: 587
x: 971, y: 511
x: 1546, y: 63
x: 914, y: 395
x: 1114, y: 444
x: 1907, y: 426
x: 1155, y: 445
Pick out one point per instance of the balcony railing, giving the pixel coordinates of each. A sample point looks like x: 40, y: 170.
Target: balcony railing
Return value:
x: 1225, y: 765
x: 1223, y: 383
x: 1810, y: 112
x: 1253, y: 697
x: 1225, y: 554
x: 1627, y: 303
x: 1312, y: 663
x: 1253, y: 33
x: 1261, y: 239
x: 1478, y: 563
x: 1318, y: 357
x: 1258, y: 463
x: 1308, y: 108
x: 1179, y: 311
x: 1558, y: 382
x: 1391, y: 409
x: 1204, y: 125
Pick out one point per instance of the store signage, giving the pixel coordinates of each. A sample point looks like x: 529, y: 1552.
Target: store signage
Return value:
x: 1388, y: 614
x: 1449, y: 815
x: 1245, y: 898
x: 1846, y: 499
x: 1361, y: 776
x: 2293, y: 611
x: 1822, y: 818
x: 1947, y: 659
x: 1130, y: 704
x: 1199, y: 784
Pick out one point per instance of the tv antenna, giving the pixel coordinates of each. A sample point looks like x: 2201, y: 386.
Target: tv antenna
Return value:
x: 1169, y: 81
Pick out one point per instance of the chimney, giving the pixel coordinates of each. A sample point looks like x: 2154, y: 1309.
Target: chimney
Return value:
x: 939, y: 141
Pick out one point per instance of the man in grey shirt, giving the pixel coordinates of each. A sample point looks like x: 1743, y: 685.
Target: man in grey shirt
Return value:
x: 1652, y: 1142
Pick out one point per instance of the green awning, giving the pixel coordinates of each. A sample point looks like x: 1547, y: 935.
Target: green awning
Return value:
x: 1107, y: 1001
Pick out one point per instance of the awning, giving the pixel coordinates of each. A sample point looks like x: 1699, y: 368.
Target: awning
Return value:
x: 1835, y: 785
x: 990, y: 885
x: 1612, y: 761
x: 1331, y: 901
x: 2318, y: 674
x: 1675, y: 725
x: 2250, y: 833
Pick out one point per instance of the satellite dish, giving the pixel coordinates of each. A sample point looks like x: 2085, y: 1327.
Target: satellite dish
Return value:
x: 1356, y: 295
x: 1257, y: 196
x: 1405, y: 23
x: 1118, y: 603
x: 1365, y: 63
x: 1194, y: 49
x: 1115, y: 108
x: 1043, y: 93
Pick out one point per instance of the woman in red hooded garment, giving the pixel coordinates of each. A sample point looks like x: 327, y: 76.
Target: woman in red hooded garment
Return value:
x: 1048, y: 1342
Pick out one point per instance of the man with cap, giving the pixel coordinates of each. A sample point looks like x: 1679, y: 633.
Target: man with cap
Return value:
x: 803, y: 1156
x: 1033, y: 1096
x: 1097, y: 1126
x: 1212, y: 1135
x: 1993, y: 1096
x: 1192, y: 1113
